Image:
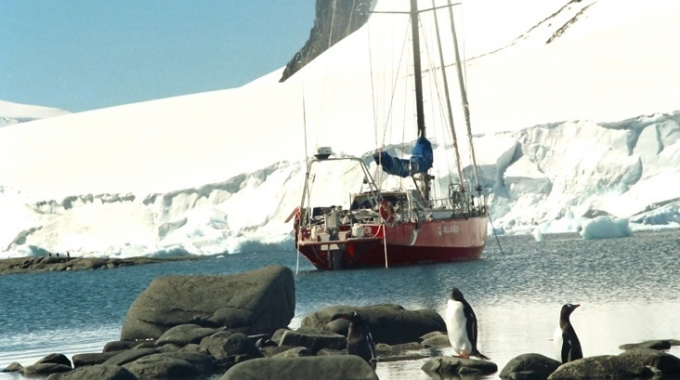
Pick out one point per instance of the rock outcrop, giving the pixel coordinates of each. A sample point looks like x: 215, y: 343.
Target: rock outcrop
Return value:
x: 334, y: 20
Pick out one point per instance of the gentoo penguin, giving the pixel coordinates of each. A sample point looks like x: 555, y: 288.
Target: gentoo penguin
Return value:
x: 359, y: 338
x: 567, y: 345
x: 461, y: 324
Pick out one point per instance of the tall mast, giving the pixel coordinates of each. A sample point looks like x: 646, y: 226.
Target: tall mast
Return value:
x: 416, y: 68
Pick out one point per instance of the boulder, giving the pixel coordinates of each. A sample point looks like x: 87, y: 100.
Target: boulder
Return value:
x: 313, y: 339
x: 170, y: 366
x: 529, y: 367
x: 259, y: 301
x: 230, y: 349
x: 663, y: 362
x: 98, y: 372
x: 632, y: 364
x: 458, y: 366
x: 391, y: 324
x: 182, y: 335
x: 609, y: 367
x: 338, y: 367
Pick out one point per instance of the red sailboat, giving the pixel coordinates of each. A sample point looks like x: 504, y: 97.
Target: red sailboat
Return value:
x: 379, y: 228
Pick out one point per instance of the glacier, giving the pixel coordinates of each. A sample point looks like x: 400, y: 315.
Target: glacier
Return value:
x: 578, y: 134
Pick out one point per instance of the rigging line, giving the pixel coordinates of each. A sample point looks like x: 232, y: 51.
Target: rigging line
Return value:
x: 330, y: 35
x: 463, y: 93
x: 374, y: 105
x: 498, y: 241
x: 351, y: 15
x: 395, y: 80
x: 448, y: 97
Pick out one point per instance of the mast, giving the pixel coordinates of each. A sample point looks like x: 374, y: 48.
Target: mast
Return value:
x: 463, y: 95
x: 417, y: 69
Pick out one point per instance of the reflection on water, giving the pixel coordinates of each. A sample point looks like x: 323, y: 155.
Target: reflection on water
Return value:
x: 627, y: 288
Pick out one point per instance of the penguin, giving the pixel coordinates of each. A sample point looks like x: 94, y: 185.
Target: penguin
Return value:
x: 359, y: 338
x: 461, y: 325
x: 567, y: 345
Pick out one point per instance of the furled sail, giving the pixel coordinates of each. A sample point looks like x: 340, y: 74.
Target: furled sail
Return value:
x: 420, y: 161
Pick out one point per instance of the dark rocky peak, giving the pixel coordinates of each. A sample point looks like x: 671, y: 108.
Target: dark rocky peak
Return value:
x: 334, y: 20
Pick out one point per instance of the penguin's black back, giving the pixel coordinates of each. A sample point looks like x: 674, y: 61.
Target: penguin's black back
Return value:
x: 359, y: 339
x: 571, y: 346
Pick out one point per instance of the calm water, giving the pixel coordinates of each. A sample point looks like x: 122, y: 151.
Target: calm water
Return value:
x: 628, y: 289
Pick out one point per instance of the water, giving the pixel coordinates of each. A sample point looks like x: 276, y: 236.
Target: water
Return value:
x: 628, y: 289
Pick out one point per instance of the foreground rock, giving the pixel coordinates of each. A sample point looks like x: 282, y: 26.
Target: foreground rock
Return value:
x: 633, y: 364
x: 54, y: 263
x: 390, y: 324
x: 457, y: 366
x: 260, y: 301
x: 296, y: 368
x: 529, y: 367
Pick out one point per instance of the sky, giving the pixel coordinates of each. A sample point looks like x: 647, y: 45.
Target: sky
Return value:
x: 80, y: 55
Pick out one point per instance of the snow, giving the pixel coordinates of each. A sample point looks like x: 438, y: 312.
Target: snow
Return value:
x: 580, y: 135
x: 14, y: 113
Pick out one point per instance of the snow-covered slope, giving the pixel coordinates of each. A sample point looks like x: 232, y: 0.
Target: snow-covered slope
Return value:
x: 14, y: 113
x: 584, y: 125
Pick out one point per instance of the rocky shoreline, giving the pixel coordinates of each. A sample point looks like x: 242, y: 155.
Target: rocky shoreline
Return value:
x: 59, y: 263
x: 236, y: 327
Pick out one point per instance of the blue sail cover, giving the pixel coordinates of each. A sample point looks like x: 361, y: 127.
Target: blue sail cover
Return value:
x: 420, y: 161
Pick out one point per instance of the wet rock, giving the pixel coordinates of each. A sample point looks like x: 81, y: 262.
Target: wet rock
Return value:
x: 391, y: 324
x: 649, y: 344
x: 98, y: 372
x: 338, y: 367
x: 436, y: 339
x: 458, y: 366
x: 43, y: 369
x: 259, y: 301
x: 13, y: 367
x: 529, y: 367
x: 52, y: 363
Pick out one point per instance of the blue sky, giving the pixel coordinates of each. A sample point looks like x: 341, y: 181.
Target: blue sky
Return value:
x: 80, y: 55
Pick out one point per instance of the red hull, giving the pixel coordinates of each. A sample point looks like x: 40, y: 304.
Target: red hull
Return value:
x: 436, y: 241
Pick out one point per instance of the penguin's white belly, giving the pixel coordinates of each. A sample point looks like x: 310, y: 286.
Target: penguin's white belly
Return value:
x: 557, y: 340
x: 455, y: 325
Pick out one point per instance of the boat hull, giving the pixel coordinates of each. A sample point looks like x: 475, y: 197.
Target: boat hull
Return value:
x: 435, y: 241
